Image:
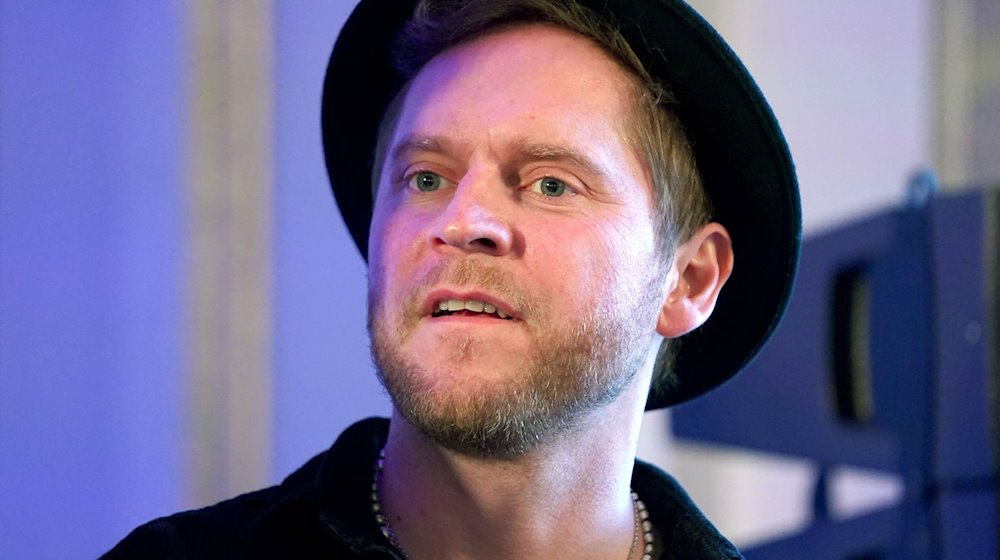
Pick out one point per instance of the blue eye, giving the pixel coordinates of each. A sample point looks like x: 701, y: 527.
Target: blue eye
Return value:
x: 550, y: 186
x: 426, y: 181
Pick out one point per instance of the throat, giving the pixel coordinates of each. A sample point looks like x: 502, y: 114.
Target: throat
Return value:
x: 506, y: 528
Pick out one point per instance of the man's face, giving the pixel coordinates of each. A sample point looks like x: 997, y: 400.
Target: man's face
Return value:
x: 515, y: 280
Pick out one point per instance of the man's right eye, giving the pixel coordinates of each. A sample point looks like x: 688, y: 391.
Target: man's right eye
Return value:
x: 427, y: 181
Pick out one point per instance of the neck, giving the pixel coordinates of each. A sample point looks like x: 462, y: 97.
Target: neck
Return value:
x: 567, y: 498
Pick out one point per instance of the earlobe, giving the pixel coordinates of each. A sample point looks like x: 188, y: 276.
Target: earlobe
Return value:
x: 701, y: 266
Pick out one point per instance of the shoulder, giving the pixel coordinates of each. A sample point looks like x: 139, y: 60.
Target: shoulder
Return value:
x: 203, y: 533
x: 257, y: 518
x: 685, y: 530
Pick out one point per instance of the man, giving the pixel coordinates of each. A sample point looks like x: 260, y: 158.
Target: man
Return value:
x: 559, y: 188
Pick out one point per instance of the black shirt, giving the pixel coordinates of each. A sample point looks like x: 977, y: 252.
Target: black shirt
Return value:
x: 323, y: 510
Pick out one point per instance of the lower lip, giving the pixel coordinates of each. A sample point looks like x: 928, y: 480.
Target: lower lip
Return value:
x: 470, y: 317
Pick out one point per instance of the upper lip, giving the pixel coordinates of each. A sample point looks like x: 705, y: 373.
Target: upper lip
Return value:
x: 434, y: 297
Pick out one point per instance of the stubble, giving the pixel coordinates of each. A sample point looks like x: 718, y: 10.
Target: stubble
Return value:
x: 573, y: 370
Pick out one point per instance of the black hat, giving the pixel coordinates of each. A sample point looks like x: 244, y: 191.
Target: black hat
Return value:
x: 741, y: 154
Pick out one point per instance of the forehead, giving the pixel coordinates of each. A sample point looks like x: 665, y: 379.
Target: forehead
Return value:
x: 522, y: 75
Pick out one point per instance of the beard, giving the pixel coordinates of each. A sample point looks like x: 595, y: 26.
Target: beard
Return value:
x: 575, y: 368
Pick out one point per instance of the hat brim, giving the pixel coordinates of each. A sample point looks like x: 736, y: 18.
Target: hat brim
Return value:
x: 741, y: 153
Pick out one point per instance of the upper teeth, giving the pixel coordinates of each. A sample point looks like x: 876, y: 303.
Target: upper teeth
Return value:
x: 473, y: 305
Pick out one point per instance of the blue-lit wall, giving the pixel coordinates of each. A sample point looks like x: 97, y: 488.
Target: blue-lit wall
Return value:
x: 91, y: 239
x: 323, y: 377
x: 95, y: 172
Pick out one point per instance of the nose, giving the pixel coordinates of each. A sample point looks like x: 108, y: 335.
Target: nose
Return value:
x: 474, y: 219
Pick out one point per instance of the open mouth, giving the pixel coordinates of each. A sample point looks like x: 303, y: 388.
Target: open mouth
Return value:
x: 447, y: 307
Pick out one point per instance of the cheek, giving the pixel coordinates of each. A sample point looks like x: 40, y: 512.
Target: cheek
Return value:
x: 382, y: 257
x: 393, y: 244
x: 573, y: 264
x: 617, y: 257
x: 626, y: 241
x: 376, y: 257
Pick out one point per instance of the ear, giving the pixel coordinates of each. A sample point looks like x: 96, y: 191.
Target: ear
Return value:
x: 701, y: 266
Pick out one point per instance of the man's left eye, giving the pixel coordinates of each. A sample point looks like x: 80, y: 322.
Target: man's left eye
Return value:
x: 550, y: 186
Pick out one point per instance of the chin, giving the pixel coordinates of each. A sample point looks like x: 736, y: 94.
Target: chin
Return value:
x: 497, y: 411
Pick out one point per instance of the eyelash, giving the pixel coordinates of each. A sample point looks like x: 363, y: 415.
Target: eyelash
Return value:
x: 410, y: 178
x: 568, y: 189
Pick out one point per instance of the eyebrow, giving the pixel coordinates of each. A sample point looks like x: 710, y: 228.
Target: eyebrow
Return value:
x: 525, y: 150
x: 549, y: 152
x: 414, y: 143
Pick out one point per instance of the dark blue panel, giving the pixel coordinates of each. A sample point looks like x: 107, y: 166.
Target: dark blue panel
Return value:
x: 968, y: 522
x: 876, y: 536
x: 965, y: 265
x: 794, y: 374
x: 899, y: 374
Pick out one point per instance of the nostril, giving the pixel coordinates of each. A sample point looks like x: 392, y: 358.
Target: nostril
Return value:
x: 471, y: 232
